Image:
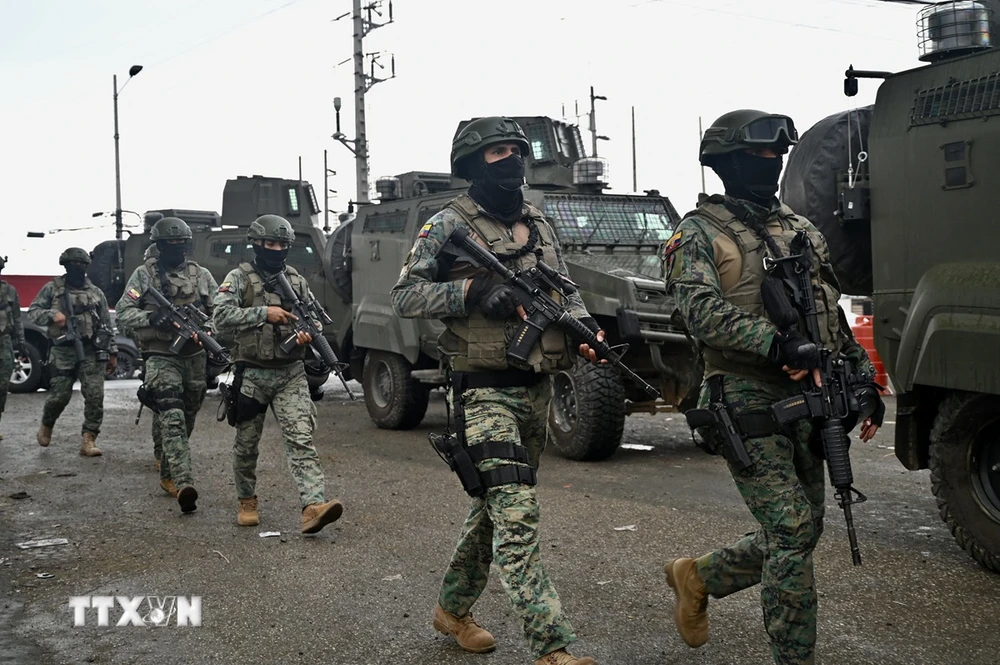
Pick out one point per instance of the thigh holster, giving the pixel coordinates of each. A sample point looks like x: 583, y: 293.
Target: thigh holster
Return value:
x: 462, y: 459
x: 158, y: 401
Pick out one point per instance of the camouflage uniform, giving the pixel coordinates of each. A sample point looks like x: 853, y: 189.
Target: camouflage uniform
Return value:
x: 270, y: 377
x: 710, y: 265
x: 11, y: 337
x: 177, y: 381
x: 63, y: 366
x: 502, y: 527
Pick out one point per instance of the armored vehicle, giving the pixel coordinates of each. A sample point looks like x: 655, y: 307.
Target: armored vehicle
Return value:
x: 610, y: 243
x: 922, y: 215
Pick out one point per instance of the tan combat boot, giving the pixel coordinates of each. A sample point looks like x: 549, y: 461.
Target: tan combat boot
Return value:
x: 691, y: 607
x: 562, y: 657
x: 169, y: 487
x: 318, y: 515
x: 88, y: 447
x: 44, y: 436
x: 467, y: 633
x: 248, y: 515
x: 186, y: 497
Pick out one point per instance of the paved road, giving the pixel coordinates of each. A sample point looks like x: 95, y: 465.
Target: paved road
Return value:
x: 362, y: 592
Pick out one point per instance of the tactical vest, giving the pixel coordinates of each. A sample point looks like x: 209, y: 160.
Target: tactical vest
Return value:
x: 746, y: 295
x: 181, y: 288
x: 261, y: 343
x: 6, y: 309
x: 475, y: 343
x: 86, y: 302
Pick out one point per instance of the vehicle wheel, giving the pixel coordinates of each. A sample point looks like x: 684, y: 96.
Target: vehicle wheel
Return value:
x: 27, y: 376
x: 965, y: 472
x: 394, y: 399
x: 127, y: 364
x: 587, y: 412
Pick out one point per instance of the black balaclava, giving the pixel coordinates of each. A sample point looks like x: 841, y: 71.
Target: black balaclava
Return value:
x: 76, y: 275
x: 171, y: 254
x: 270, y: 260
x: 497, y: 187
x: 749, y: 177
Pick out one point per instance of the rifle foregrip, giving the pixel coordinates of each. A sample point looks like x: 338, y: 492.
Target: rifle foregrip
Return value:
x: 211, y: 345
x: 322, y: 346
x: 836, y: 448
x: 581, y: 334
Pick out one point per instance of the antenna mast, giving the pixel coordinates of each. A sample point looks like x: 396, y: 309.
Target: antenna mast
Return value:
x: 363, y: 82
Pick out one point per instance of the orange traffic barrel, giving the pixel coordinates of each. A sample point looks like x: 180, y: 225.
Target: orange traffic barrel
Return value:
x: 865, y: 334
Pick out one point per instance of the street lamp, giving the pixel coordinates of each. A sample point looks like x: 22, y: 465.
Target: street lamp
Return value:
x: 118, y: 275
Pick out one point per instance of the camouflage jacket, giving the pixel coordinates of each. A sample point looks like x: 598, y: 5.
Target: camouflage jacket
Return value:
x: 698, y: 266
x: 45, y: 305
x: 10, y: 315
x: 435, y: 289
x: 134, y: 311
x: 239, y: 317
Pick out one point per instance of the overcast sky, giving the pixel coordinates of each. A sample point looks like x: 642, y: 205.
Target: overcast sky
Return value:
x: 242, y: 87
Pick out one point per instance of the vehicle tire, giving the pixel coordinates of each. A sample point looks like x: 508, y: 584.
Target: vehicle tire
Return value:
x: 27, y: 377
x: 128, y: 363
x: 587, y: 412
x: 965, y: 472
x: 394, y: 399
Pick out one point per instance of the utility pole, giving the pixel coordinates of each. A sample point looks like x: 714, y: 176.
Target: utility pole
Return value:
x: 118, y: 274
x: 593, y: 121
x: 635, y: 186
x: 363, y: 82
x: 327, y: 172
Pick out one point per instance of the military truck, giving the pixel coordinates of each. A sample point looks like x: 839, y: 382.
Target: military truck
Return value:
x: 219, y: 242
x: 913, y: 181
x: 610, y: 243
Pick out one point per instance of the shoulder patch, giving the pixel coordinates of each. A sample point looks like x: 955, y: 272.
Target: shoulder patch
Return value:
x: 226, y: 287
x: 133, y: 293
x: 425, y: 230
x: 673, y: 243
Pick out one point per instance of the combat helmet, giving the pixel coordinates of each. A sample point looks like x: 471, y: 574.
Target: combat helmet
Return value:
x: 746, y: 128
x: 170, y: 228
x: 74, y: 254
x: 271, y: 227
x: 3, y: 262
x: 479, y: 134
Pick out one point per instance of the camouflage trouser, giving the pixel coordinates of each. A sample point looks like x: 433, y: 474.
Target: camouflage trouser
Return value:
x: 184, y: 376
x: 63, y: 371
x: 502, y: 527
x: 784, y: 491
x: 287, y: 391
x: 6, y: 369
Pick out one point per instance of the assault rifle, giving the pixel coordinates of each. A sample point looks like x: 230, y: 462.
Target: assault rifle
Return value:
x: 187, y: 321
x: 531, y: 288
x: 310, y: 318
x: 72, y: 334
x: 836, y: 401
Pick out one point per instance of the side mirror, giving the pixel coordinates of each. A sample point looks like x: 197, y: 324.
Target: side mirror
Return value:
x: 850, y: 86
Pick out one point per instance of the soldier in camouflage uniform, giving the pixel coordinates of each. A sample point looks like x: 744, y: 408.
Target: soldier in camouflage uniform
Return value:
x: 248, y: 311
x: 505, y: 404
x: 174, y: 382
x: 713, y: 265
x: 93, y: 324
x: 11, y: 336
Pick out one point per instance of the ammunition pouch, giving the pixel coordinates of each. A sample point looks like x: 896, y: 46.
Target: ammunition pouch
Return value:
x: 462, y: 459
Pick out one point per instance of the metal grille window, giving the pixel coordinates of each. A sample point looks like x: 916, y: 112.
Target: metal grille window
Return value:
x: 386, y: 222
x: 539, y: 135
x: 607, y: 220
x: 425, y: 214
x: 972, y: 98
x: 233, y: 250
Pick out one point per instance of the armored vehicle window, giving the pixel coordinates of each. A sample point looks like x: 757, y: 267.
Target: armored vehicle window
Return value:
x: 539, y: 135
x: 313, y: 203
x: 234, y: 250
x: 292, y: 196
x: 608, y: 220
x: 303, y: 256
x: 386, y: 222
x: 426, y: 213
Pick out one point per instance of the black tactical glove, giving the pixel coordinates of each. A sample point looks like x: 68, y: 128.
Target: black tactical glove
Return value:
x: 495, y: 301
x: 870, y: 402
x: 160, y: 321
x: 591, y: 324
x: 794, y: 350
